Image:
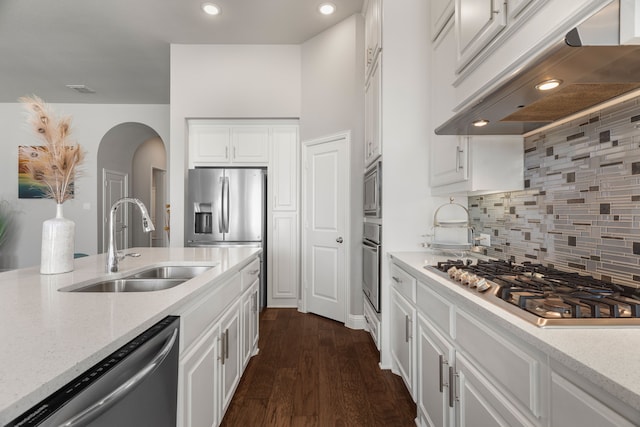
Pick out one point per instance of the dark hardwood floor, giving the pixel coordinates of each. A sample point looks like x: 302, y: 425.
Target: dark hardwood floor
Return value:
x: 312, y: 371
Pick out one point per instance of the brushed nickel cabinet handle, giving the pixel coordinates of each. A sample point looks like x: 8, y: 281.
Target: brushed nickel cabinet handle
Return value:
x: 451, y: 386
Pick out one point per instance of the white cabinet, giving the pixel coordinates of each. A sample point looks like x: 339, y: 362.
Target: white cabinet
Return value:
x: 477, y: 22
x: 515, y: 7
x: 200, y: 383
x: 402, y: 320
x: 571, y: 405
x: 215, y: 332
x: 476, y: 164
x: 283, y: 270
x: 213, y: 143
x: 373, y: 33
x: 372, y: 130
x: 230, y: 366
x: 250, y: 323
x: 434, y: 356
x: 441, y: 12
x: 283, y: 169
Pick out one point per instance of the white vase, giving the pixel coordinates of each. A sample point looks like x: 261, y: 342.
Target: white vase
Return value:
x: 58, y: 237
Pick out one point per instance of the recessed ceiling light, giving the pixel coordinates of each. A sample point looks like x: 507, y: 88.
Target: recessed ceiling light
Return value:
x: 211, y: 9
x: 548, y: 84
x: 480, y: 123
x: 327, y: 8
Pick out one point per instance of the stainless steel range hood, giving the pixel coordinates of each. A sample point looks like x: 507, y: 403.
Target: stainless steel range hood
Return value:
x: 589, y: 61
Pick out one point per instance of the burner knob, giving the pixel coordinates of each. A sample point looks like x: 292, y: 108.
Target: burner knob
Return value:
x: 465, y: 277
x: 452, y: 272
x: 483, y: 285
x: 473, y: 281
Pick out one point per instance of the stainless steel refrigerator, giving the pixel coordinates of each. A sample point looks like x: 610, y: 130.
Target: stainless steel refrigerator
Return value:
x: 227, y: 207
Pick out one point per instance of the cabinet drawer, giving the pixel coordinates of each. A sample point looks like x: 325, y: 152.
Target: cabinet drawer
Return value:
x: 250, y: 273
x: 404, y: 283
x: 196, y: 319
x: 436, y: 308
x: 514, y: 371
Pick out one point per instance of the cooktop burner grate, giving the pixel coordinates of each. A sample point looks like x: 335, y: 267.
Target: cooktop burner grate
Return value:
x: 548, y: 296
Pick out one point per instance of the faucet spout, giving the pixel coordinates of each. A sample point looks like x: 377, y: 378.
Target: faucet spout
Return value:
x: 147, y: 226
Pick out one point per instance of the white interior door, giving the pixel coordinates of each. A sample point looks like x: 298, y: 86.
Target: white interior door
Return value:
x: 326, y: 198
x: 115, y: 186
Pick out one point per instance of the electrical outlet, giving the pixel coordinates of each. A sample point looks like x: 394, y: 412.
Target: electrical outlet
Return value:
x: 485, y: 239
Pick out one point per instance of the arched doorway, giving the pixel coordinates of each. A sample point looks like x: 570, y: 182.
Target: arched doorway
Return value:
x: 132, y: 161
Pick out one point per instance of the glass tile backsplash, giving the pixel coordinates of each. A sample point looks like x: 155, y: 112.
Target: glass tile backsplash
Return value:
x: 580, y: 207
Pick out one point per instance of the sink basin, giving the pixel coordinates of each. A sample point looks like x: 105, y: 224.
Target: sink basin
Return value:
x: 172, y: 272
x: 130, y: 285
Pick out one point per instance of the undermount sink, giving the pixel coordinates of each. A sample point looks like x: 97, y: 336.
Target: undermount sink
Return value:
x: 131, y: 285
x: 172, y: 272
x: 151, y: 279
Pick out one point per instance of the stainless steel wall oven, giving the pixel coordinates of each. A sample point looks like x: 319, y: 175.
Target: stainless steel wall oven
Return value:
x: 372, y: 205
x: 371, y: 254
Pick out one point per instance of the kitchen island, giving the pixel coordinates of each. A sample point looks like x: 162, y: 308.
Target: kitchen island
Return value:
x: 50, y: 336
x: 590, y: 371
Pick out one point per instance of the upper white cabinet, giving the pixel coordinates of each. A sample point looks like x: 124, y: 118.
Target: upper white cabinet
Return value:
x: 477, y: 22
x: 441, y: 12
x: 476, y: 164
x: 373, y: 33
x: 283, y: 168
x: 214, y: 144
x: 372, y: 130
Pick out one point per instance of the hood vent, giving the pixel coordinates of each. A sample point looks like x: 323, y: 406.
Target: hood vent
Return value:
x: 591, y: 73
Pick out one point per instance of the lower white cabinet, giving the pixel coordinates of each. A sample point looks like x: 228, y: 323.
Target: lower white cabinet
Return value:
x: 372, y: 322
x: 573, y: 406
x: 434, y: 356
x: 469, y: 372
x: 403, y: 316
x: 200, y: 381
x: 219, y: 333
x: 283, y: 258
x: 250, y: 322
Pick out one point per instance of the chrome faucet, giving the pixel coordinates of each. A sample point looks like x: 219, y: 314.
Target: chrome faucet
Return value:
x: 147, y: 226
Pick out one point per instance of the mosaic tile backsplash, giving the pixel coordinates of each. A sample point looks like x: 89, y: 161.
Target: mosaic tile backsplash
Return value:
x: 580, y: 209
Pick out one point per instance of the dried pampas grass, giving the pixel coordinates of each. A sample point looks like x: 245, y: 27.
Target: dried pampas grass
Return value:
x: 56, y: 163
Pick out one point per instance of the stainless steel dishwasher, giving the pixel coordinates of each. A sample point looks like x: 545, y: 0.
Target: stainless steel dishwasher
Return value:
x: 137, y: 385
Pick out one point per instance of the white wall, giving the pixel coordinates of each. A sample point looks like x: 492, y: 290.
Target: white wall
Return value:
x: 407, y: 207
x: 225, y: 81
x: 332, y: 102
x: 90, y: 123
x: 151, y: 154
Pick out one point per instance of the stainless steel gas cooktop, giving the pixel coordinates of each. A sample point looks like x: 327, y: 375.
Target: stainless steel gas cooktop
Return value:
x: 545, y: 296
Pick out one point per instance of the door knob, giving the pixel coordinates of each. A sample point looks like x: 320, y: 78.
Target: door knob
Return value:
x: 339, y: 240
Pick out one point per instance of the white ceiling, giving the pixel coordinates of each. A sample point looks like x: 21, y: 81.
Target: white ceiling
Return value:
x: 120, y: 48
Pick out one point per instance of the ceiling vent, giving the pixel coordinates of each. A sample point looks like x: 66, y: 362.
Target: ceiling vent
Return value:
x: 81, y: 88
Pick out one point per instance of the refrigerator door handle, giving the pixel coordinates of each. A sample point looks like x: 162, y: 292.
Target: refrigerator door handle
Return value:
x: 221, y: 208
x: 225, y: 204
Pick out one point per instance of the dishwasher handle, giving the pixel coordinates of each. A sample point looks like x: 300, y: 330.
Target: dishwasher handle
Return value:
x: 125, y: 388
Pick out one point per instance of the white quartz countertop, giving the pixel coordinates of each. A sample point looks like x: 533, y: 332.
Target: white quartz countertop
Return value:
x: 48, y: 337
x: 609, y: 357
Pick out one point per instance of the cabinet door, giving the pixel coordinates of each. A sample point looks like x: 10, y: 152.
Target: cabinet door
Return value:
x: 434, y: 356
x: 373, y: 147
x: 283, y: 258
x: 402, y: 332
x: 517, y: 6
x: 200, y: 384
x: 570, y: 405
x: 208, y: 143
x: 449, y: 159
x: 478, y: 403
x: 373, y: 33
x: 441, y: 11
x: 250, y: 145
x: 230, y: 368
x: 283, y: 171
x: 477, y: 23
x: 249, y: 322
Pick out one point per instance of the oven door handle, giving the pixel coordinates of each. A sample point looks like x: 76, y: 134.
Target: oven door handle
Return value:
x: 125, y: 388
x: 371, y: 245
